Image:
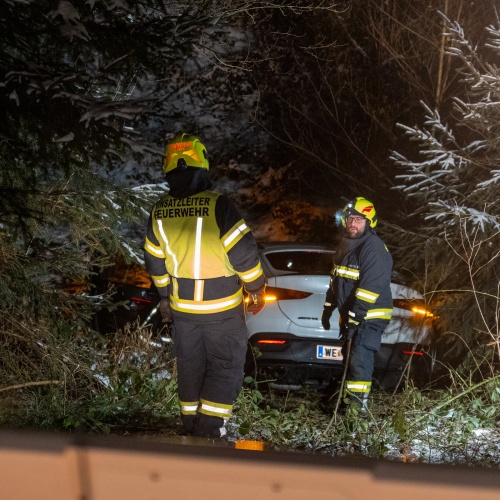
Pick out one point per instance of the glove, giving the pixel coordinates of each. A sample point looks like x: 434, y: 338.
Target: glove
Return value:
x: 257, y: 301
x: 327, y: 314
x: 351, y: 330
x: 165, y: 311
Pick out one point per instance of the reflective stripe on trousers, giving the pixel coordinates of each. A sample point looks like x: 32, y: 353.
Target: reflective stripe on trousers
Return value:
x: 210, y: 362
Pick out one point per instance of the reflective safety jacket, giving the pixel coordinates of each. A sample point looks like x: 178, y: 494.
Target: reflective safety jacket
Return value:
x: 199, y: 251
x: 360, y: 280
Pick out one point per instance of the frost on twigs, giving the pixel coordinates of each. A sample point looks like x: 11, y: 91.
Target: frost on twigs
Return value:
x: 452, y: 181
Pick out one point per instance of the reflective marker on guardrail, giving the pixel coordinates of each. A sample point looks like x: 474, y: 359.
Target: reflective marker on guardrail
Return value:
x: 244, y: 444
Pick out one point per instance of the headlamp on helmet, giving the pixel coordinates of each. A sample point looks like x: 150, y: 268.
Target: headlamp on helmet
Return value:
x: 185, y: 151
x: 360, y: 207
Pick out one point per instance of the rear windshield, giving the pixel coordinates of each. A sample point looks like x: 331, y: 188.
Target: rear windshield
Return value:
x: 301, y: 262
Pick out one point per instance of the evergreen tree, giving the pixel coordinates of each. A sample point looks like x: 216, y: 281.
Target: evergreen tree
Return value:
x: 73, y: 93
x: 88, y: 90
x: 454, y: 181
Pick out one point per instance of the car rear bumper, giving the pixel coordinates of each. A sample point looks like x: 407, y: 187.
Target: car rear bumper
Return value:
x: 290, y: 360
x: 290, y: 349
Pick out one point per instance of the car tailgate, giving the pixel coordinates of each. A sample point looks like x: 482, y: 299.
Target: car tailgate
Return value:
x: 304, y: 312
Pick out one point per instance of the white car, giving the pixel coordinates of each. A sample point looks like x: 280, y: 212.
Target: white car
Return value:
x: 290, y: 348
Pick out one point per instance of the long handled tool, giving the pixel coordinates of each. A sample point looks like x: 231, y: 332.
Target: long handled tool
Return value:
x: 342, y: 383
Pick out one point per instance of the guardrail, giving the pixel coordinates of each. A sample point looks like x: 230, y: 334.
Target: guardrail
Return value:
x: 36, y: 466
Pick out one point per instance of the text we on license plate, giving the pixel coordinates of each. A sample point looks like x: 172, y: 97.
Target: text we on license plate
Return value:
x: 328, y: 352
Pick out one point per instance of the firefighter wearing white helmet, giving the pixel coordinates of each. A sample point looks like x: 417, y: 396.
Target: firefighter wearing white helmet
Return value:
x: 200, y: 252
x: 360, y: 289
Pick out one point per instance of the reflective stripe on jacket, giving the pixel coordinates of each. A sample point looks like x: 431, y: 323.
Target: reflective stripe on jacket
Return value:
x: 361, y: 277
x: 198, y: 251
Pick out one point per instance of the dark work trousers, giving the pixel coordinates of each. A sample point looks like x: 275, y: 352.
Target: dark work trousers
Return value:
x: 210, y: 362
x: 365, y: 343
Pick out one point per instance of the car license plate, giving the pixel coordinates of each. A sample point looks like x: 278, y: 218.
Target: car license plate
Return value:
x: 328, y: 352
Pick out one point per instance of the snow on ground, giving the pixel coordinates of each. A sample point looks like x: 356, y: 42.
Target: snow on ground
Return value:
x: 483, y: 447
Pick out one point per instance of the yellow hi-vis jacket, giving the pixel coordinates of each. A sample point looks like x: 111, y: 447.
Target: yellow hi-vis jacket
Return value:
x: 199, y: 251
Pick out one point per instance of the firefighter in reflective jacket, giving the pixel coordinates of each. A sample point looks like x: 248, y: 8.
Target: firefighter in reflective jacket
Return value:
x: 360, y: 288
x: 199, y: 252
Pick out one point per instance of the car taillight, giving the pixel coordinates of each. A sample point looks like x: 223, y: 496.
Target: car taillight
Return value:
x: 138, y: 303
x: 413, y: 353
x: 422, y: 311
x: 284, y: 294
x: 272, y: 341
x: 274, y: 294
x: 415, y: 306
x: 139, y: 300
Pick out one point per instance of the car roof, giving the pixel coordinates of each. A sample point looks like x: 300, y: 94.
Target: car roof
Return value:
x: 298, y: 246
x: 292, y: 245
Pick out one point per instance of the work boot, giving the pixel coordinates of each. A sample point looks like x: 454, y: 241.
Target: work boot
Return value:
x: 358, y: 391
x: 188, y: 425
x: 360, y: 402
x: 210, y: 427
